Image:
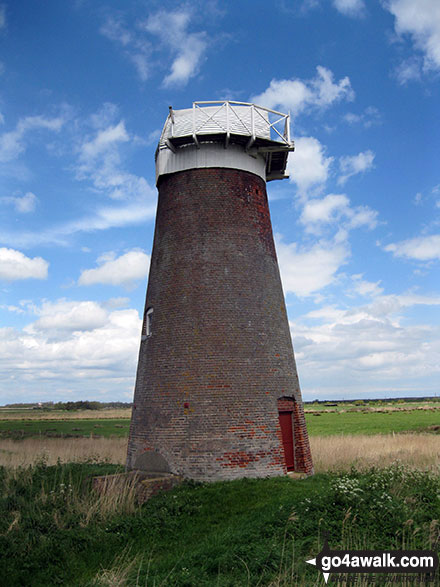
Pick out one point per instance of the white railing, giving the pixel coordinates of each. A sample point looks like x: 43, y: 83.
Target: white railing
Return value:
x: 228, y: 117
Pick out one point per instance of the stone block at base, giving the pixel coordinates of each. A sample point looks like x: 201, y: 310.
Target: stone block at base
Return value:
x: 144, y: 485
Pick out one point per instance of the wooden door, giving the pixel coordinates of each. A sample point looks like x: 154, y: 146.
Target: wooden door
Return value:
x: 286, y: 424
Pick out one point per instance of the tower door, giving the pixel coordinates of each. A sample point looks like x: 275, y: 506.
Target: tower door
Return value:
x: 286, y: 425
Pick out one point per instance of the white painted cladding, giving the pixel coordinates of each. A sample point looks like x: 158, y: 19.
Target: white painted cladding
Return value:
x: 209, y: 155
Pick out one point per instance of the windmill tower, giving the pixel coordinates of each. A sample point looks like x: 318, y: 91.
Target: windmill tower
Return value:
x: 217, y: 393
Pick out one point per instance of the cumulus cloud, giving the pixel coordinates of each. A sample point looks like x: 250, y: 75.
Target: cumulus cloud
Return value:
x: 13, y: 143
x: 373, y: 348
x: 22, y: 204
x: 421, y: 21
x: 422, y: 248
x: 70, y: 316
x: 307, y: 270
x: 80, y: 347
x: 299, y: 95
x: 308, y: 165
x: 352, y: 8
x: 352, y: 165
x: 124, y: 270
x: 336, y: 209
x: 325, y: 210
x: 188, y: 48
x: 14, y: 266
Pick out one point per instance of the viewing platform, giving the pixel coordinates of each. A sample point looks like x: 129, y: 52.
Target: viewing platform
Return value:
x: 239, y: 128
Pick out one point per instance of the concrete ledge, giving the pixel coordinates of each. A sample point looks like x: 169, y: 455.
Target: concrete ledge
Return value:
x: 144, y: 485
x: 296, y: 475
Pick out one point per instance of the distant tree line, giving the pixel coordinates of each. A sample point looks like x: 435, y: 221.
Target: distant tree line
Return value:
x: 79, y: 405
x: 374, y: 400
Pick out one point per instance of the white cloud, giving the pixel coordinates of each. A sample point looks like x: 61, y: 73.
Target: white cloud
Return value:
x: 100, y: 159
x: 26, y: 203
x: 189, y: 48
x: 423, y: 248
x: 325, y: 210
x: 14, y: 266
x: 22, y: 204
x: 298, y: 95
x: 336, y: 209
x: 137, y: 49
x: 362, y: 216
x: 409, y: 70
x: 369, y: 117
x: 366, y: 288
x: 123, y: 270
x: 69, y: 316
x: 350, y: 166
x: 104, y: 140
x: 141, y: 209
x: 420, y: 20
x: 371, y: 349
x: 307, y: 165
x: 353, y: 8
x: 78, y: 347
x: 12, y: 143
x: 305, y: 271
x: 172, y: 36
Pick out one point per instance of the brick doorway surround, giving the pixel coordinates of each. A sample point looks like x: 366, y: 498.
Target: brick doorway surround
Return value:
x: 294, y: 435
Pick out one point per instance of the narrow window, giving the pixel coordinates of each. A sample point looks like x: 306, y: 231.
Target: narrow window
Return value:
x: 149, y: 322
x: 146, y: 327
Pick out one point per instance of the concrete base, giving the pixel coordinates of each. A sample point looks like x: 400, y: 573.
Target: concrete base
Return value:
x: 296, y: 475
x: 144, y: 485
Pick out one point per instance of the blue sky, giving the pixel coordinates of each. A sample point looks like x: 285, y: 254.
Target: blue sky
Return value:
x: 85, y: 90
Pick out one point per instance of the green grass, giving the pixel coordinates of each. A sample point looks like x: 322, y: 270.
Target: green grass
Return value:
x: 246, y: 532
x: 322, y: 424
x: 326, y: 424
x: 27, y: 428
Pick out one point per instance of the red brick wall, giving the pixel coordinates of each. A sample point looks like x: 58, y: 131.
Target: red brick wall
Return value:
x: 220, y: 352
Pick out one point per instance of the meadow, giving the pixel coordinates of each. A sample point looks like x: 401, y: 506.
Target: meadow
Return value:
x: 377, y: 485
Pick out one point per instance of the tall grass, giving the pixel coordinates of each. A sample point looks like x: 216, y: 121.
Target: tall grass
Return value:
x: 55, y: 530
x: 341, y: 452
x: 19, y: 453
x: 330, y: 453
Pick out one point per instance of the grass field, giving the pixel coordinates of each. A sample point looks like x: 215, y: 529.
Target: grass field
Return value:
x: 54, y: 530
x: 15, y: 428
x: 386, y: 422
x: 344, y: 420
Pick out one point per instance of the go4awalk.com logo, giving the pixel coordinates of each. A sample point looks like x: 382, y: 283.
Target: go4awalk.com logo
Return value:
x: 421, y: 562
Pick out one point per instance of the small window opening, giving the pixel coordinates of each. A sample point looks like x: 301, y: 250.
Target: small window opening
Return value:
x: 147, y: 325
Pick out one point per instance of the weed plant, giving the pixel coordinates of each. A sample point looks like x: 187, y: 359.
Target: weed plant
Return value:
x: 54, y: 530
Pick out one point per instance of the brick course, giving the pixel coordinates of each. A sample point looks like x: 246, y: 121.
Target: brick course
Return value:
x: 220, y: 354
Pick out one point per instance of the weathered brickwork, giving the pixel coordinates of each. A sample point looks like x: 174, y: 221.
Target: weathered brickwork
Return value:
x: 219, y: 355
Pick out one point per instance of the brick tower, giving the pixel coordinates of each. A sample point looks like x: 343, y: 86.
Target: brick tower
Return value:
x: 217, y: 393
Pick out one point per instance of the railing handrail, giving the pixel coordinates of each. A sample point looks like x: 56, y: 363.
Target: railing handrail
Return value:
x: 255, y: 109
